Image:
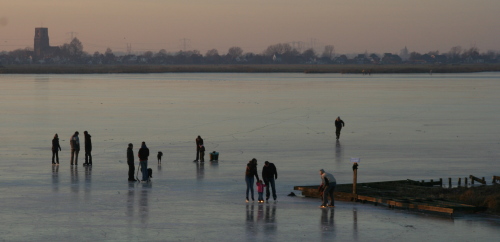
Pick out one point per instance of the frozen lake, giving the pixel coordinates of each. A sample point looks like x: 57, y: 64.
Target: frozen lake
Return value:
x: 401, y: 126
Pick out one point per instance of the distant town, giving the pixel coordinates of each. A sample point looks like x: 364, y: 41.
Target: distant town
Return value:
x: 282, y: 53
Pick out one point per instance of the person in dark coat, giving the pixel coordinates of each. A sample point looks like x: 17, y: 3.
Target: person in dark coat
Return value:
x: 269, y: 174
x: 250, y: 172
x: 55, y: 149
x: 143, y: 159
x: 339, y: 123
x: 130, y: 162
x: 75, y: 147
x: 88, y: 149
x: 159, y: 155
x: 199, y: 141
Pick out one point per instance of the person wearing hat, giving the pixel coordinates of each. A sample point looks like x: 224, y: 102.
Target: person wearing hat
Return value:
x: 328, y: 183
x: 269, y: 174
x: 88, y: 149
x: 130, y: 162
x: 339, y: 123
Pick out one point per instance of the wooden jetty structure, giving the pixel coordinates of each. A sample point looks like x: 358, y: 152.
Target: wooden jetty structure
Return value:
x: 405, y: 194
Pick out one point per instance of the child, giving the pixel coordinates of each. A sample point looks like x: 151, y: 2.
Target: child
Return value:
x: 260, y: 190
x: 160, y: 154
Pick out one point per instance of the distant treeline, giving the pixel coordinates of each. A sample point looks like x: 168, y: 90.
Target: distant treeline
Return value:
x: 283, y: 53
x: 366, y: 69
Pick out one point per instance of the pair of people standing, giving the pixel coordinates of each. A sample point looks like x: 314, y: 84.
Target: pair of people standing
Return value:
x: 269, y: 174
x: 143, y: 155
x: 75, y: 148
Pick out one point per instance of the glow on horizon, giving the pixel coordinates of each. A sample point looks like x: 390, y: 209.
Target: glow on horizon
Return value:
x: 352, y: 26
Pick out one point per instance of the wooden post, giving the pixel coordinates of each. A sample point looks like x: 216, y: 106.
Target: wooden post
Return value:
x: 459, y: 181
x: 441, y: 182
x: 465, y: 182
x: 355, y: 178
x: 449, y: 182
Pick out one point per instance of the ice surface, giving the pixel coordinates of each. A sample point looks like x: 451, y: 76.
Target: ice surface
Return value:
x: 401, y: 126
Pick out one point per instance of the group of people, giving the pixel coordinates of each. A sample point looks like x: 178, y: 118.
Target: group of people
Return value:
x: 74, y: 143
x: 269, y: 174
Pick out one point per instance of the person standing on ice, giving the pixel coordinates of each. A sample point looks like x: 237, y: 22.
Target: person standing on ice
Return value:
x: 55, y: 149
x: 88, y: 149
x: 269, y: 174
x: 130, y: 162
x: 328, y: 183
x: 75, y: 147
x: 250, y: 172
x: 339, y: 124
x: 199, y: 141
x: 143, y: 159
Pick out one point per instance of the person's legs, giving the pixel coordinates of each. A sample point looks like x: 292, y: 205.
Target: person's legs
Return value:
x: 90, y: 157
x: 272, y: 183
x: 249, y: 184
x: 197, y: 153
x: 337, y: 132
x: 72, y: 155
x: 57, y: 157
x: 260, y: 196
x: 266, y: 181
x: 53, y: 156
x: 251, y: 187
x: 330, y: 192
x: 131, y: 170
x: 144, y: 170
x: 325, y: 195
x: 76, y: 156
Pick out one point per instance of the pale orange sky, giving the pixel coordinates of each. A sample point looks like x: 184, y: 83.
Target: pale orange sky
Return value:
x: 352, y: 26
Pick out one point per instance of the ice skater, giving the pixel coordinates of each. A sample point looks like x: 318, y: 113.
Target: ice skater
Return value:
x: 339, y: 124
x: 328, y: 183
x: 260, y: 190
x: 55, y: 149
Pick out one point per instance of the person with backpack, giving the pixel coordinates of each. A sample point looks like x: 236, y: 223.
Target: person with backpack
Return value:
x: 143, y: 159
x: 75, y: 147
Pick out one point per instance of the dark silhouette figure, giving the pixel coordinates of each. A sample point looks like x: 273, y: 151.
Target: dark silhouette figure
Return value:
x: 339, y: 124
x: 199, y: 141
x: 143, y: 159
x: 130, y: 162
x: 75, y: 147
x: 55, y: 149
x: 202, y: 153
x: 88, y: 149
x: 269, y: 174
x: 160, y: 154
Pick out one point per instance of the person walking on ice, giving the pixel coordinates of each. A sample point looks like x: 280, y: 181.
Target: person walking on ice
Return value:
x: 339, y: 124
x: 55, y: 149
x: 328, y: 183
x: 75, y: 147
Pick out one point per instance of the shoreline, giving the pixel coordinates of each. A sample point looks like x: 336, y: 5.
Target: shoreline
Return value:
x: 272, y: 68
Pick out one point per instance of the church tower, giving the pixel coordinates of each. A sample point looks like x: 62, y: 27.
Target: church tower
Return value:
x: 41, y: 42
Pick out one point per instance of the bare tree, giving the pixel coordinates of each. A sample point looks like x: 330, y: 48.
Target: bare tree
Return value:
x: 328, y: 52
x: 278, y: 49
x: 234, y: 52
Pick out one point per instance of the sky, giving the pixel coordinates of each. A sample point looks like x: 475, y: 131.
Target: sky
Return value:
x: 351, y: 26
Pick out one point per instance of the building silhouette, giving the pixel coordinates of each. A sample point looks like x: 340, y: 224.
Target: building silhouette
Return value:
x: 42, y: 48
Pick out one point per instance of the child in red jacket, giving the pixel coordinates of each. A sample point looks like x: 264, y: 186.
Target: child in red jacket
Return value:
x: 260, y: 190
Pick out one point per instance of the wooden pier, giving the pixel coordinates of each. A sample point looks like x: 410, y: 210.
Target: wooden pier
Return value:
x: 405, y: 194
